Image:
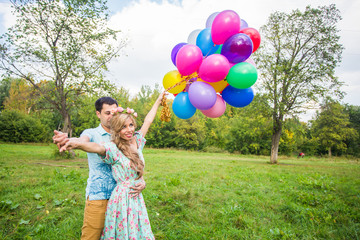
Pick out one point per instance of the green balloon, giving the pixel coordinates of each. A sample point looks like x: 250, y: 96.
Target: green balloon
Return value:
x: 242, y: 75
x: 219, y: 50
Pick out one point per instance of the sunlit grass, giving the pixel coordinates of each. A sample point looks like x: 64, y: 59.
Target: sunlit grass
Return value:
x: 189, y: 195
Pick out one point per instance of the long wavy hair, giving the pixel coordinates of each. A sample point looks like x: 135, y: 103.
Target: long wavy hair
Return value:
x: 116, y: 124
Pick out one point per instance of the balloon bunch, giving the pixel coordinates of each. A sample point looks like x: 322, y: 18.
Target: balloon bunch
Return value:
x: 214, y: 67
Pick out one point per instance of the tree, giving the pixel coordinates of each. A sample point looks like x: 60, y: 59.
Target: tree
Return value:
x: 354, y: 117
x: 332, y: 127
x: 5, y: 86
x: 250, y: 128
x: 65, y: 44
x: 297, y: 61
x: 21, y: 96
x: 293, y: 136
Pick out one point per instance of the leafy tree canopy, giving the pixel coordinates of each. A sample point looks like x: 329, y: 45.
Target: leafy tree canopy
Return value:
x: 297, y: 61
x: 65, y: 44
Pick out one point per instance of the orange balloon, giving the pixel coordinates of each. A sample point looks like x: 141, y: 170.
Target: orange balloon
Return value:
x: 218, y: 86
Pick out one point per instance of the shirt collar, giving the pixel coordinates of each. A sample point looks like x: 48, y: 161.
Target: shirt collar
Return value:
x: 101, y: 130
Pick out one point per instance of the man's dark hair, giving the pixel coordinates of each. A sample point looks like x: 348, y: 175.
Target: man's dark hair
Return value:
x: 104, y: 100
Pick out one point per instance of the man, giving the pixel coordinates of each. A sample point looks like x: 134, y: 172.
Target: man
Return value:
x: 100, y: 183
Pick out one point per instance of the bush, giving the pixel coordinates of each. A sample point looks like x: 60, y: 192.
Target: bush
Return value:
x: 19, y: 127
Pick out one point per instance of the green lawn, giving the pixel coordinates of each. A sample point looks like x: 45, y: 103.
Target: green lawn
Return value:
x: 189, y: 195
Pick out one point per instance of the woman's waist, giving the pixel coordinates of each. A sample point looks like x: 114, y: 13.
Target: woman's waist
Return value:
x: 127, y: 183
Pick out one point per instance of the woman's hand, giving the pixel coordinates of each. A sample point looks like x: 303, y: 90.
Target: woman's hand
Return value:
x: 159, y: 99
x: 151, y: 115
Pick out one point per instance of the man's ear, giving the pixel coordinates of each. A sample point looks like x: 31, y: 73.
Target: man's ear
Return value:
x: 98, y: 114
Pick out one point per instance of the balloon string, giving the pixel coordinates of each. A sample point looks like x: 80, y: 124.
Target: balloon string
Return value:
x: 186, y: 79
x: 209, y: 51
x: 165, y: 115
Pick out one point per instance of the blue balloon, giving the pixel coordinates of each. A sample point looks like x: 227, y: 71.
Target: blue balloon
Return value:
x: 205, y: 42
x: 182, y: 106
x: 238, y: 97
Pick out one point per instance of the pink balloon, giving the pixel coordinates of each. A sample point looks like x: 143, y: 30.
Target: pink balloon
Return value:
x: 188, y: 59
x: 225, y: 24
x: 214, y: 68
x: 249, y: 60
x: 217, y: 110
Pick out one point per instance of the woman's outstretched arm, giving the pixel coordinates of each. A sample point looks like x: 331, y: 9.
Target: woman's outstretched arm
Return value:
x: 151, y: 115
x: 90, y: 147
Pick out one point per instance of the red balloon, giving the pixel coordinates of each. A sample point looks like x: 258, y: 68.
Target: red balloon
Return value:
x: 254, y: 36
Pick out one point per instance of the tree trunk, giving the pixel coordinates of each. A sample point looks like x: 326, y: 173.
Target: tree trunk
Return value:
x: 275, y: 147
x: 67, y: 123
x: 67, y: 128
x: 277, y: 128
x: 330, y: 152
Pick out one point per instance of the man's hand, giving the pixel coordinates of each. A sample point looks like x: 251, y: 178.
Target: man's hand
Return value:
x: 136, y: 190
x: 60, y: 138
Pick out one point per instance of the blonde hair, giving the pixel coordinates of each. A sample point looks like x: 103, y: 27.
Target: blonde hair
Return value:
x: 116, y: 124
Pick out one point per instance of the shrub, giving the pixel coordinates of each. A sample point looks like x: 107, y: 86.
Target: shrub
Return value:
x: 19, y: 127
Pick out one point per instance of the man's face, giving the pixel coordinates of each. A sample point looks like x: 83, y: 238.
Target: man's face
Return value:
x: 105, y: 115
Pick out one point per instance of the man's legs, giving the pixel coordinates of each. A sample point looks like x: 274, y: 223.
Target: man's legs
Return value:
x: 94, y: 219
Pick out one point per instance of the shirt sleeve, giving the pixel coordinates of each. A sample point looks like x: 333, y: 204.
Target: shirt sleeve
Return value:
x: 140, y: 140
x: 87, y: 132
x: 112, y: 153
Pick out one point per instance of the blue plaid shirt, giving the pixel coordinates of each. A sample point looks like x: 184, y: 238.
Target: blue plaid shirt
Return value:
x: 100, y: 183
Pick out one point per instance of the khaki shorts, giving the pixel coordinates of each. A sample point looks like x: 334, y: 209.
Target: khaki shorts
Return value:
x: 94, y: 219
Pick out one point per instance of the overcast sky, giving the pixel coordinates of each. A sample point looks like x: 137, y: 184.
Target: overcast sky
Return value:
x: 155, y: 27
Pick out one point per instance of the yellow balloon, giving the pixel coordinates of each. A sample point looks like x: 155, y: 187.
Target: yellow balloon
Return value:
x: 172, y: 78
x: 218, y: 86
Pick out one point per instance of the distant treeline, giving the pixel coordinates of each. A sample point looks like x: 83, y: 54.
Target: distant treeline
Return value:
x: 245, y: 130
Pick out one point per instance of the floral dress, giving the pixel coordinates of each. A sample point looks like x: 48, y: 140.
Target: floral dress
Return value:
x: 126, y: 217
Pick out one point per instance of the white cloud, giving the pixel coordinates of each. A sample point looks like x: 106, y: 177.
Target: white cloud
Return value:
x: 155, y: 28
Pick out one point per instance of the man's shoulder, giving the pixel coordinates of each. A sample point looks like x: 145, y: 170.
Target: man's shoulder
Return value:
x: 97, y: 134
x: 90, y: 132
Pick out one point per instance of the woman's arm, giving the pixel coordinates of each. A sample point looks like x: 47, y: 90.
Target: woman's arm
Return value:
x: 90, y: 147
x: 60, y: 139
x: 151, y: 115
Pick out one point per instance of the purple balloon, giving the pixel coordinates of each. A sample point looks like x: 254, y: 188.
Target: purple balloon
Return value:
x: 243, y: 24
x: 237, y: 48
x: 175, y: 51
x: 188, y: 83
x: 202, y: 95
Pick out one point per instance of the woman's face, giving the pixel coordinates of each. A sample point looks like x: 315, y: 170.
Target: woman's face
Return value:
x: 127, y: 130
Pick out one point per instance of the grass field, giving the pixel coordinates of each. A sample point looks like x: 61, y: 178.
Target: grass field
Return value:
x: 189, y: 195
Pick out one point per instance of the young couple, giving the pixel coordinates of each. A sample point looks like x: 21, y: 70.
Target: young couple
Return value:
x: 115, y: 207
